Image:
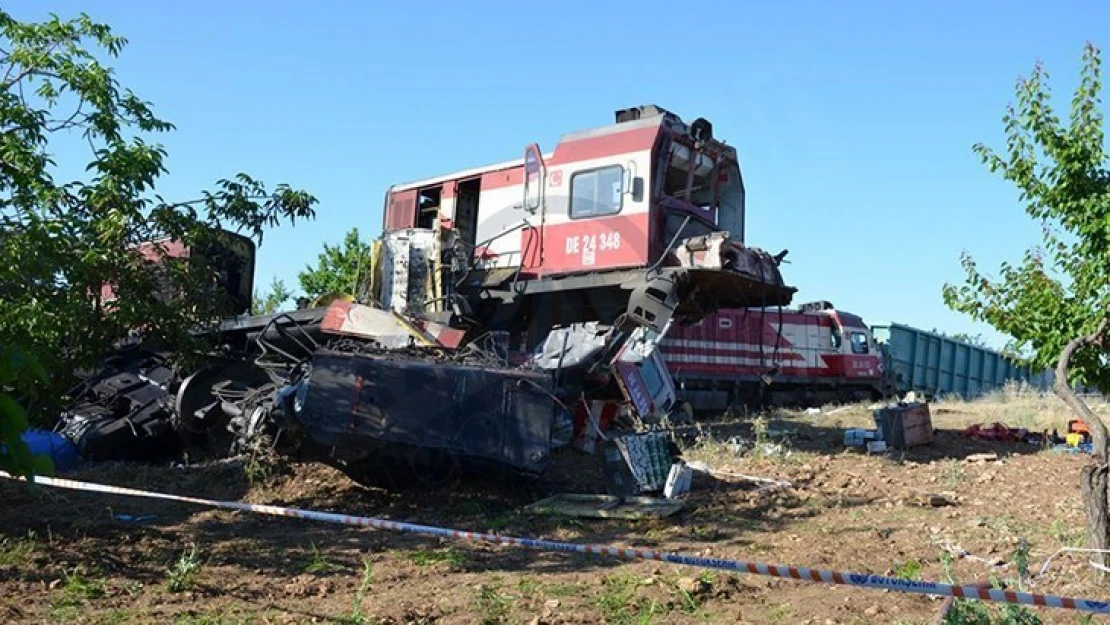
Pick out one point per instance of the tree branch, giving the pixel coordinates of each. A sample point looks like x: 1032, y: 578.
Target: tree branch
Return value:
x: 1063, y: 390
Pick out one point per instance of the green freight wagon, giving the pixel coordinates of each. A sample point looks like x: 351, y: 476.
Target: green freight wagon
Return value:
x: 933, y: 364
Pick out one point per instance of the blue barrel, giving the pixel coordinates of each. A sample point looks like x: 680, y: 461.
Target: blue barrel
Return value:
x: 59, y: 448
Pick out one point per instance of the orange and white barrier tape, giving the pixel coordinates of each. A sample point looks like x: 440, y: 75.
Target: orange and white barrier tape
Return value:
x: 861, y: 580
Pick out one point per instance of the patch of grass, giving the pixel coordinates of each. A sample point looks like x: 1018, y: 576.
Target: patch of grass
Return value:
x: 566, y: 590
x: 117, y: 616
x: 910, y: 570
x: 198, y: 619
x: 953, y: 473
x: 778, y: 614
x: 498, y: 521
x: 1009, y: 525
x: 617, y: 600
x: 317, y: 564
x: 430, y: 557
x: 65, y: 613
x: 14, y: 552
x: 1015, y: 404
x: 257, y: 470
x: 357, y: 617
x: 620, y: 601
x: 1067, y: 535
x: 528, y: 587
x: 691, y: 602
x: 648, y: 612
x: 182, y: 575
x: 77, y: 589
x: 970, y: 612
x: 493, y: 605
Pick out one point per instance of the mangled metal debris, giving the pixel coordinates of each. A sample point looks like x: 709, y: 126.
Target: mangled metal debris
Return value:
x: 367, y: 411
x: 369, y: 392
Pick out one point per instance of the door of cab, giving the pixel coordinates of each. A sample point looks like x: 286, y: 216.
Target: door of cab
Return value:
x: 535, y: 179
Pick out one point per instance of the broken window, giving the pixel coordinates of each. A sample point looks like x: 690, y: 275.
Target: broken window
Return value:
x: 701, y: 187
x: 429, y: 200
x: 678, y: 183
x: 678, y: 172
x: 597, y: 192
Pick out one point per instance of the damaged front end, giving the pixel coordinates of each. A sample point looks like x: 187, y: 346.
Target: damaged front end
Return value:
x: 398, y: 419
x: 702, y: 274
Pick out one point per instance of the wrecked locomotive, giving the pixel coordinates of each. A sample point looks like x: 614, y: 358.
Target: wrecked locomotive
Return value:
x: 496, y: 303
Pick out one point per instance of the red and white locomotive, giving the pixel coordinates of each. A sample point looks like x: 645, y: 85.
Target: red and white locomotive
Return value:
x: 769, y: 355
x: 643, y: 218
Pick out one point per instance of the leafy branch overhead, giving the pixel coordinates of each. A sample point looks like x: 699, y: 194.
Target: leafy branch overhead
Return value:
x: 65, y: 235
x: 1060, y: 289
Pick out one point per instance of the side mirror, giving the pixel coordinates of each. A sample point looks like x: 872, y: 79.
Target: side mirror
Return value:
x: 631, y: 183
x: 637, y: 189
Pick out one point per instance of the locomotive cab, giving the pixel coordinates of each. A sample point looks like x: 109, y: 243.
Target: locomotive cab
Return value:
x: 644, y: 217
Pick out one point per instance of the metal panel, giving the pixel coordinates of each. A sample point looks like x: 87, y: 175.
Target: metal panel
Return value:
x: 481, y: 416
x: 933, y: 364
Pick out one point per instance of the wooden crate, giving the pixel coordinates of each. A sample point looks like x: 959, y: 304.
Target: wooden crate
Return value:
x: 905, y: 425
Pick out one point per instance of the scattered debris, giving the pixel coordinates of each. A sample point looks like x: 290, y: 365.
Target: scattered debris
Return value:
x: 858, y: 437
x: 876, y: 447
x: 604, y: 506
x: 964, y: 554
x: 678, y: 480
x: 769, y: 484
x: 1002, y: 433
x: 981, y: 458
x: 930, y: 500
x: 1082, y: 448
x: 130, y: 518
x: 638, y: 463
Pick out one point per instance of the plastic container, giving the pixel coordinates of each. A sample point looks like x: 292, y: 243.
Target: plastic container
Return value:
x: 59, y: 448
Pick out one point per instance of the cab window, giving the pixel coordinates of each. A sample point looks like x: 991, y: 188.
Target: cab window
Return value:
x: 859, y: 343
x: 597, y: 192
x: 690, y: 176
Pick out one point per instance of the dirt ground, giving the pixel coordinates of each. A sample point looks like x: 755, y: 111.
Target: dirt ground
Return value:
x: 74, y: 557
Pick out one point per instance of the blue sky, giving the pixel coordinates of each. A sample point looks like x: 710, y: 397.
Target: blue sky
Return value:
x: 854, y: 120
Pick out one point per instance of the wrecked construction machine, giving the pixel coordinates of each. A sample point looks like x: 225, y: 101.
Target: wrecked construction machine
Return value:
x: 501, y: 308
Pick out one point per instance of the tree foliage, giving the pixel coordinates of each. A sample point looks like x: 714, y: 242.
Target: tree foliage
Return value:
x: 337, y: 268
x: 271, y: 302
x: 1061, y: 289
x: 62, y: 240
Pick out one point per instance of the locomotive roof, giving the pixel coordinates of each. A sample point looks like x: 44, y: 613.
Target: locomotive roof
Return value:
x: 646, y: 122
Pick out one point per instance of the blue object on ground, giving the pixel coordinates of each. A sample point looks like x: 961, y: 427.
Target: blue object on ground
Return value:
x: 59, y: 448
x: 1085, y: 448
x: 137, y: 519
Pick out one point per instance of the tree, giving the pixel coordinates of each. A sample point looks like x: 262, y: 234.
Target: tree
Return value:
x: 338, y: 268
x: 975, y: 340
x: 1056, y: 302
x: 62, y: 241
x: 271, y: 302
